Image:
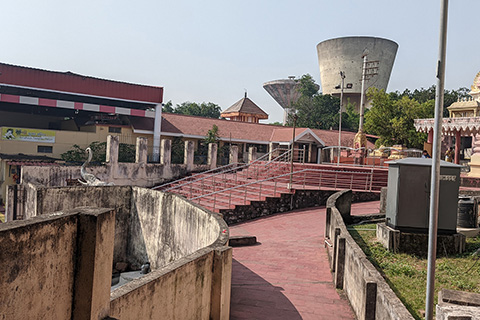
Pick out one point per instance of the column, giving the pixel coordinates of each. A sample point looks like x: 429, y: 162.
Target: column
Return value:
x: 112, y: 150
x: 272, y: 146
x: 212, y: 155
x: 233, y: 158
x: 156, y: 132
x: 458, y: 139
x: 141, y: 150
x: 166, y: 152
x: 252, y: 154
x: 189, y: 154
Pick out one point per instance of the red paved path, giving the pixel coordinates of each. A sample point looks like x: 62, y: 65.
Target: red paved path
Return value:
x: 287, y: 275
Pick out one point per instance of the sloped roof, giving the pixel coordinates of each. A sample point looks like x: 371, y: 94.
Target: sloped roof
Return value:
x: 197, y: 127
x: 246, y: 106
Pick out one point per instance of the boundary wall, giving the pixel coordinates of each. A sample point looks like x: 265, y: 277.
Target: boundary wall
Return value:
x: 369, y: 294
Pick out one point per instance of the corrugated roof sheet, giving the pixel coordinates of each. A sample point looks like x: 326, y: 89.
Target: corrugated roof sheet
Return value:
x: 75, y: 83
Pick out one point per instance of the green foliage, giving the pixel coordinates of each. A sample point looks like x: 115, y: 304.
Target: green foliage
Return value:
x: 306, y: 86
x: 392, y: 117
x: 168, y: 107
x: 424, y: 95
x: 276, y: 123
x: 126, y: 153
x: 178, y: 150
x: 406, y: 273
x: 350, y: 118
x: 209, y: 109
x: 212, y: 135
x: 313, y: 109
x: 77, y: 154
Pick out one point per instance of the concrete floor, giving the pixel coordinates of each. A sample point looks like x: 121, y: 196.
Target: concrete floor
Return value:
x: 287, y: 275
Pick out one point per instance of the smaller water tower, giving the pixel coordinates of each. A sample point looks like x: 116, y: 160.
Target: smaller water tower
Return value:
x: 285, y: 93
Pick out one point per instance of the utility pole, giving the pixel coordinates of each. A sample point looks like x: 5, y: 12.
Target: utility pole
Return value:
x: 435, y: 178
x: 369, y: 70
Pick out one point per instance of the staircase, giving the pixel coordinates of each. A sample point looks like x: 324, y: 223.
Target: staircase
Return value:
x: 226, y: 187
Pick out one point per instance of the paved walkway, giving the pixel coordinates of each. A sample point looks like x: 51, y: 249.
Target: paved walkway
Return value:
x: 287, y: 275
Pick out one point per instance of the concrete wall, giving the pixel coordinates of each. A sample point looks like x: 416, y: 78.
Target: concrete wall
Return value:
x: 184, y: 243
x: 369, y: 294
x: 58, y: 266
x: 139, y: 174
x: 165, y: 227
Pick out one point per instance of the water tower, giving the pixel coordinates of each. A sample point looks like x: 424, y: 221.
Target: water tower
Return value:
x: 284, y: 92
x: 346, y: 54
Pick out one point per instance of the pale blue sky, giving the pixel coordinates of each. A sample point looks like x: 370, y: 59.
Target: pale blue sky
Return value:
x: 212, y: 50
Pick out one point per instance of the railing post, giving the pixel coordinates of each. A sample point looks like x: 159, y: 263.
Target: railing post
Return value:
x: 336, y: 177
x: 304, y: 179
x: 351, y: 180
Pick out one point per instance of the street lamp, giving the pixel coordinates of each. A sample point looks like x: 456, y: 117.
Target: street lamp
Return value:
x: 342, y: 75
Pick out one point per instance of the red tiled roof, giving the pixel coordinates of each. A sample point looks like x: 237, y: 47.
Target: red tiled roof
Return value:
x: 245, y: 106
x: 182, y: 125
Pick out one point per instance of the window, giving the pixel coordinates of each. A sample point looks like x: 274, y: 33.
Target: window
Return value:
x: 114, y: 130
x: 44, y: 149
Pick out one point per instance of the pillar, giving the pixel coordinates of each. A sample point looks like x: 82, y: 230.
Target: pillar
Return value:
x: 212, y: 155
x: 458, y: 140
x: 157, y: 125
x: 112, y: 150
x: 166, y: 152
x: 188, y: 154
x: 221, y: 284
x: 93, y: 272
x: 272, y: 146
x: 141, y: 150
x: 252, y: 154
x: 233, y: 157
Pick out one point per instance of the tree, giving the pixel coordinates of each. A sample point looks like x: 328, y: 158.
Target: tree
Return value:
x: 350, y: 118
x: 167, y: 107
x: 209, y: 109
x: 126, y: 153
x: 313, y: 109
x: 212, y: 135
x: 423, y: 95
x: 391, y: 118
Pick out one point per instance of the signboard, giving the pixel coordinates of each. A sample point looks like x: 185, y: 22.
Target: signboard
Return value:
x: 31, y: 135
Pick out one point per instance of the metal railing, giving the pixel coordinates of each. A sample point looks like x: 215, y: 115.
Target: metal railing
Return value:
x: 217, y: 173
x: 311, y: 179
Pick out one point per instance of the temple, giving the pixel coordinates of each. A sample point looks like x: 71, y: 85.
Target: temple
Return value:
x: 463, y: 121
x: 244, y: 110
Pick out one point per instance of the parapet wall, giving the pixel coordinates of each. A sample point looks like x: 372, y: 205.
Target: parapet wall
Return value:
x: 369, y: 294
x: 184, y: 243
x: 51, y: 266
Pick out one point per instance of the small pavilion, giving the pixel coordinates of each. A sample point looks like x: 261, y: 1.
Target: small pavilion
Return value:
x: 244, y: 110
x: 463, y: 121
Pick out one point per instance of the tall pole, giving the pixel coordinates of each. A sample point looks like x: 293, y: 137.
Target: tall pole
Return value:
x: 295, y: 117
x: 435, y: 178
x: 362, y: 93
x: 342, y: 75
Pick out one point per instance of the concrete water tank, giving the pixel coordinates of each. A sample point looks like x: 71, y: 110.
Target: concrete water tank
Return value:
x: 345, y: 54
x: 408, y: 195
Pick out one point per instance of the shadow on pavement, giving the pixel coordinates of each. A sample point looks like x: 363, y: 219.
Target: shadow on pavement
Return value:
x: 255, y: 298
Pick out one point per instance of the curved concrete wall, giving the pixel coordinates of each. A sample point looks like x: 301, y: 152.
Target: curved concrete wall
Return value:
x: 345, y: 54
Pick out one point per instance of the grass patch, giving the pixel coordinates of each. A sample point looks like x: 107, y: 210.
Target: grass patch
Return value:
x: 407, y: 274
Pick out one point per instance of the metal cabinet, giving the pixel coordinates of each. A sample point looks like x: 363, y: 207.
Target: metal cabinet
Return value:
x: 408, y: 195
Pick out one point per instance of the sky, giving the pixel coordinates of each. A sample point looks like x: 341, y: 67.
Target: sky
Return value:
x: 215, y: 50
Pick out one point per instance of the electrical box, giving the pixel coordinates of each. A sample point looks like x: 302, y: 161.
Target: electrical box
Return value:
x: 408, y: 195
